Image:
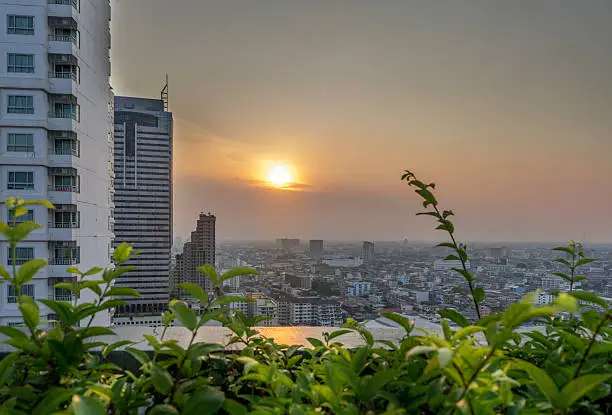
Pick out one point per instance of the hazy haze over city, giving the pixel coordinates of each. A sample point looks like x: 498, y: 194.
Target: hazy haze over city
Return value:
x: 506, y: 106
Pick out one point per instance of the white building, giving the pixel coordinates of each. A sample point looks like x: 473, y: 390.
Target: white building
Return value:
x: 359, y: 288
x: 442, y: 265
x: 143, y: 199
x: 544, y: 298
x: 56, y: 137
x: 343, y: 262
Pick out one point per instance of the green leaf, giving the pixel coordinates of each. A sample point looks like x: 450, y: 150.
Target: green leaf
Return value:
x: 455, y: 317
x: 238, y: 271
x: 39, y: 202
x: 163, y: 410
x: 122, y: 253
x: 203, y: 349
x: 211, y: 273
x: 566, y: 303
x: 467, y: 331
x: 13, y: 333
x: 479, y: 294
x: 579, y: 387
x: 541, y: 379
x: 92, y: 285
x: 186, y: 316
x: 589, y: 298
x: 573, y: 340
x: 401, y: 320
x: 585, y: 261
x: 446, y: 329
x: 52, y: 401
x: 565, y: 249
x: 139, y: 355
x: 28, y: 270
x: 123, y: 291
x: 563, y: 261
x: 21, y: 231
x: 196, y: 291
x: 4, y: 274
x: 315, y: 342
x: 338, y: 333
x: 29, y: 311
x: 84, y: 405
x: 111, y: 304
x: 61, y: 309
x: 161, y: 379
x: 234, y: 408
x: 562, y: 275
x: 92, y: 271
x: 205, y: 399
x: 451, y: 258
x: 94, y: 332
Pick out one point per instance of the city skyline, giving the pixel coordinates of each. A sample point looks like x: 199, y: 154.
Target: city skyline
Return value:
x: 501, y: 106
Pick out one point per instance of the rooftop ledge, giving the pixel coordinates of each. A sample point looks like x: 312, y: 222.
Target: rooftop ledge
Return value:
x: 288, y: 335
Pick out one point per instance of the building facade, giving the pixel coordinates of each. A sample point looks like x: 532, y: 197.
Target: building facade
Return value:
x: 56, y: 139
x: 316, y: 249
x: 200, y: 250
x: 368, y: 251
x: 143, y: 199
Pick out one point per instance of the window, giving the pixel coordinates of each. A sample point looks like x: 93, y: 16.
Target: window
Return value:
x: 15, y: 323
x: 20, y: 25
x: 28, y: 217
x: 66, y: 219
x: 21, y: 180
x: 67, y: 111
x: 21, y: 143
x: 27, y: 289
x: 20, y: 63
x: 62, y: 294
x: 21, y: 104
x: 22, y: 255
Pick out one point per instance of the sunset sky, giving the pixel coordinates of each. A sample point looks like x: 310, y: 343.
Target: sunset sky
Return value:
x: 507, y: 106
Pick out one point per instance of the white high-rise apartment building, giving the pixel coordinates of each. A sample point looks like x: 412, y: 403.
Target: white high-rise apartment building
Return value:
x: 56, y: 137
x: 143, y: 213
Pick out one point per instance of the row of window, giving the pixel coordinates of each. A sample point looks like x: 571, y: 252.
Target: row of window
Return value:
x: 24, y: 143
x: 19, y: 25
x: 24, y: 104
x: 24, y: 180
x: 24, y: 63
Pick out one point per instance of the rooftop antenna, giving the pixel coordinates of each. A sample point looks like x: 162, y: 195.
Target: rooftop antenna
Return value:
x: 164, y: 94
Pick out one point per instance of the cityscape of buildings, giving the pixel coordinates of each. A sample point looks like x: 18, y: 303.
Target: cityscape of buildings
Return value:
x: 106, y: 163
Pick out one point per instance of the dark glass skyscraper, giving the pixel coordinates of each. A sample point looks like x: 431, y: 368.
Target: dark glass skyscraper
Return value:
x: 143, y: 199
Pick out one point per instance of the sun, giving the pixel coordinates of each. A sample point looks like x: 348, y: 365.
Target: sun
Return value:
x: 279, y: 175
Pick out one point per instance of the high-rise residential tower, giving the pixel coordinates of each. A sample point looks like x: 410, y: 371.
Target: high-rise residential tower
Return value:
x: 143, y: 199
x: 316, y: 249
x: 368, y: 251
x: 56, y: 138
x: 200, y: 250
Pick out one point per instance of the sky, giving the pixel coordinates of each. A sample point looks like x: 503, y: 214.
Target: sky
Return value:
x: 506, y: 106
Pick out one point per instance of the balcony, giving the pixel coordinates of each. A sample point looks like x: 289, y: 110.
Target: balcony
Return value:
x: 63, y: 29
x: 65, y: 261
x: 63, y: 143
x: 73, y: 3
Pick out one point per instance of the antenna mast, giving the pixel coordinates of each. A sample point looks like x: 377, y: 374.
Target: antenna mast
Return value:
x: 164, y: 94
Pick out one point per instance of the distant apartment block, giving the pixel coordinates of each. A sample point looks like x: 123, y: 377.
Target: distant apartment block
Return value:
x: 200, y: 250
x: 307, y: 311
x: 442, y: 265
x: 287, y: 244
x: 143, y: 199
x: 359, y: 288
x: 316, y: 249
x: 56, y: 140
x: 368, y: 251
x: 303, y: 282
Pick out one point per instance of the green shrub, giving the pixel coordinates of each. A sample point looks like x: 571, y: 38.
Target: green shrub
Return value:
x: 484, y: 367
